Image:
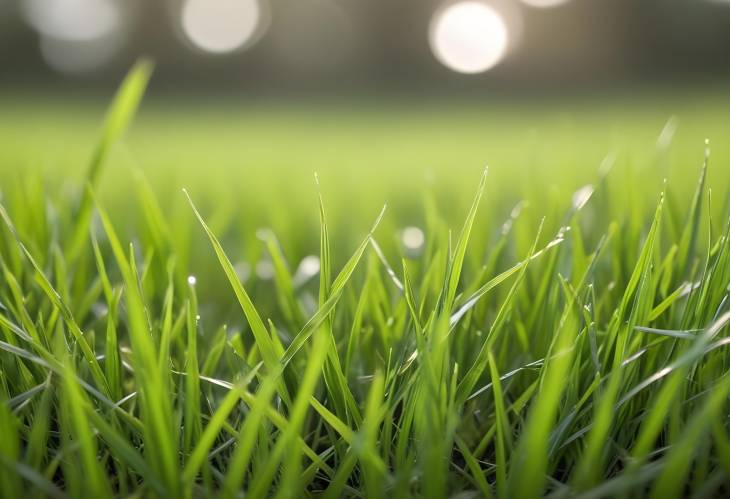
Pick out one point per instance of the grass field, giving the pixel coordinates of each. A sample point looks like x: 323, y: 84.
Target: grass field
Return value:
x: 554, y: 325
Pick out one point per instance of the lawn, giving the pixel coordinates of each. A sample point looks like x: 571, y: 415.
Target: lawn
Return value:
x: 187, y: 310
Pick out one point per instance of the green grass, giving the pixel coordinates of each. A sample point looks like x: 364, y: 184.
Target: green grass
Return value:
x: 561, y: 332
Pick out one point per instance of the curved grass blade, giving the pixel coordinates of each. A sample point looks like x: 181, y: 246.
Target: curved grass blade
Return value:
x: 261, y: 335
x: 335, y: 293
x: 457, y: 261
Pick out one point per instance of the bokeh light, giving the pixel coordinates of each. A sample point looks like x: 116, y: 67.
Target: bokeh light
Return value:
x: 72, y: 20
x: 76, y: 56
x: 308, y: 268
x: 468, y: 37
x: 582, y: 196
x: 221, y: 26
x: 544, y: 4
x: 413, y: 238
x: 76, y: 36
x: 243, y: 271
x: 265, y: 270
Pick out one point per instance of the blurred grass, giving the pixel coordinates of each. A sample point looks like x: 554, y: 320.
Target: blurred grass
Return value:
x: 249, y: 156
x: 251, y: 164
x: 366, y: 147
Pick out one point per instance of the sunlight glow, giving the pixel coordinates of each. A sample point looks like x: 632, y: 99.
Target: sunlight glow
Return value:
x: 220, y: 26
x: 72, y: 20
x: 468, y: 37
x: 76, y: 36
x: 544, y: 4
x: 413, y: 238
x: 75, y: 56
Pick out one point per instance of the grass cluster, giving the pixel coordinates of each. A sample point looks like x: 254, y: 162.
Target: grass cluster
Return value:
x: 582, y: 354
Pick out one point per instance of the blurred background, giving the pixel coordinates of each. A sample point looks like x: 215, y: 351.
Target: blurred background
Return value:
x: 410, y: 93
x: 377, y: 45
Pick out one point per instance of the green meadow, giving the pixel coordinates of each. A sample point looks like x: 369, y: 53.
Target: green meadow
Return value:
x: 381, y: 296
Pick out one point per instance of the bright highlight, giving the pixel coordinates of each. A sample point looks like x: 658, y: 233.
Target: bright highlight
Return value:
x: 468, y: 37
x: 220, y: 26
x: 544, y: 4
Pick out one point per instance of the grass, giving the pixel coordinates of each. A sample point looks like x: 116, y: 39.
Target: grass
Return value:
x: 566, y: 338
